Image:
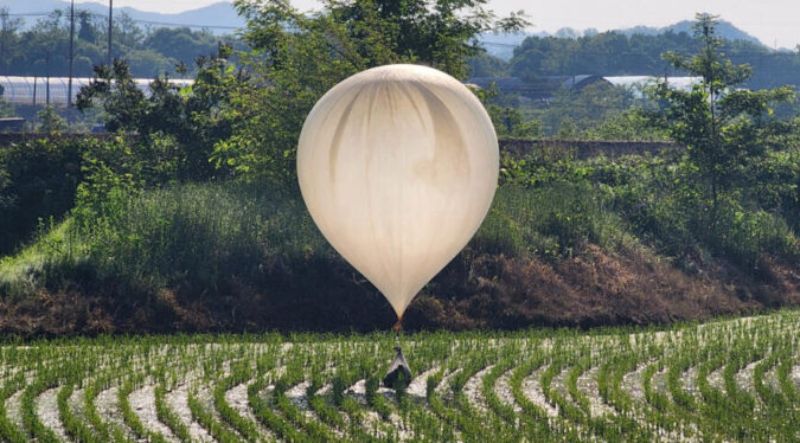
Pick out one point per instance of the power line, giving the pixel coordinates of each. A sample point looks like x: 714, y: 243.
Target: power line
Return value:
x: 507, y: 45
x: 29, y: 14
x: 187, y: 25
x: 147, y: 22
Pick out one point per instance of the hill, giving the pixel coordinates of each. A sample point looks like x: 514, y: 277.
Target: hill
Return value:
x: 501, y: 45
x: 219, y: 17
x: 222, y: 18
x: 725, y: 29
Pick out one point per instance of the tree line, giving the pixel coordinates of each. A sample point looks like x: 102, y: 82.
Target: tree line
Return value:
x: 42, y: 49
x: 614, y: 53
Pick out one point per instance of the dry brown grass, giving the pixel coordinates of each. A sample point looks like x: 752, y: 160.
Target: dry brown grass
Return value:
x: 593, y: 288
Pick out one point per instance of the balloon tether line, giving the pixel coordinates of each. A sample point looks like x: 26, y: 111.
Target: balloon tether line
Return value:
x: 398, y: 330
x: 398, y: 326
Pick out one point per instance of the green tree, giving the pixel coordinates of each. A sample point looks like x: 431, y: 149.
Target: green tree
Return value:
x: 50, y: 121
x: 507, y: 118
x: 177, y: 128
x: 147, y: 63
x: 613, y: 53
x: 48, y: 43
x: 631, y: 124
x: 588, y: 107
x: 510, y: 122
x: 114, y: 90
x: 87, y: 31
x: 297, y: 57
x: 723, y: 128
x: 9, y: 40
x: 6, y: 109
x: 181, y: 44
x: 42, y: 49
x: 126, y: 32
x: 485, y: 65
x: 38, y: 179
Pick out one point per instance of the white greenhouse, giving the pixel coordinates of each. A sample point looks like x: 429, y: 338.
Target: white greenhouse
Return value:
x: 54, y: 90
x: 638, y: 83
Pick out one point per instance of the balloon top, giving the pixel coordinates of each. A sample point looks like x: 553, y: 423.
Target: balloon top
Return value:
x: 403, y: 72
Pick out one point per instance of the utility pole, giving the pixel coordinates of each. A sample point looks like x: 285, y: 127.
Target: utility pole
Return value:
x: 110, y: 28
x: 71, y: 50
x: 3, y: 23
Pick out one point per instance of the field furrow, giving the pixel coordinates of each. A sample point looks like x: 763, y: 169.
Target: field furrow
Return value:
x: 472, y: 390
x: 505, y: 392
x: 587, y: 384
x: 532, y: 388
x: 178, y: 401
x: 47, y: 412
x: 725, y: 381
x: 143, y: 403
x: 13, y: 408
x: 108, y: 408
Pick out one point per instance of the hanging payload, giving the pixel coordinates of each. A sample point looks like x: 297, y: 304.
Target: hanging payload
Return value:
x: 399, y: 373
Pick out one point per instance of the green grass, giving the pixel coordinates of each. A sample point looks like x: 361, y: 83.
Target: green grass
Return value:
x: 199, y: 235
x: 752, y: 397
x: 555, y: 220
x: 21, y: 274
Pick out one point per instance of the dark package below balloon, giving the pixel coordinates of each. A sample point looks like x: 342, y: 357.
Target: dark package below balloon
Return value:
x: 399, y: 373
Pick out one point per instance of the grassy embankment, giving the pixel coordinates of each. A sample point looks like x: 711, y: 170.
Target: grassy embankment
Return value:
x: 584, y: 243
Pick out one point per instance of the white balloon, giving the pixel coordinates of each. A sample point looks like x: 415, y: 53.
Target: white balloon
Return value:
x: 398, y: 166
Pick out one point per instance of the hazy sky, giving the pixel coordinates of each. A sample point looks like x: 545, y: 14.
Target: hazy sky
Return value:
x: 772, y: 21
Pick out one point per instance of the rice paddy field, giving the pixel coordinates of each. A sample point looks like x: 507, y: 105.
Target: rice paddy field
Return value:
x: 727, y: 380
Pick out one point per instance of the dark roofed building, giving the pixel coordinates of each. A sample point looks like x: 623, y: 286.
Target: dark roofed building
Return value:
x: 578, y: 82
x: 504, y: 84
x: 540, y: 88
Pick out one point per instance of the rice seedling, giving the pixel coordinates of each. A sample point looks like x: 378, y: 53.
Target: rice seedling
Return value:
x: 724, y: 380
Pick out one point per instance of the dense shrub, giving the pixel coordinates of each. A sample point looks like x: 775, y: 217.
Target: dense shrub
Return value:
x: 658, y: 200
x: 200, y: 236
x: 195, y: 235
x: 554, y: 220
x: 38, y: 180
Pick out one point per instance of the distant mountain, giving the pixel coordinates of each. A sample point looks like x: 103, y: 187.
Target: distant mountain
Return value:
x: 219, y: 17
x: 726, y: 30
x: 502, y: 45
x: 223, y: 18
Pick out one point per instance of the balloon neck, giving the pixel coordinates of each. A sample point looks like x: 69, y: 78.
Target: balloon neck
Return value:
x: 398, y: 326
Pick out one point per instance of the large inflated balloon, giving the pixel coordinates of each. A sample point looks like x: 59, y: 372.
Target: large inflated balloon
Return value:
x: 398, y: 166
